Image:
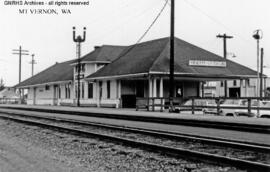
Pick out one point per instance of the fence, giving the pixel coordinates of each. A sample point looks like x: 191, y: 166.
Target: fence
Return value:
x: 198, y: 103
x: 9, y: 100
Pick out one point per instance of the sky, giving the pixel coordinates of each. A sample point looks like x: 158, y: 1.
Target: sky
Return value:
x: 123, y: 22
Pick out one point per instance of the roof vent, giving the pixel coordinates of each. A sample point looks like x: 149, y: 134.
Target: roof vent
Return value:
x: 97, y: 47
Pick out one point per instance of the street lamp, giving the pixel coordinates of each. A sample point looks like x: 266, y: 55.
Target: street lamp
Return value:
x: 79, y: 40
x: 257, y: 34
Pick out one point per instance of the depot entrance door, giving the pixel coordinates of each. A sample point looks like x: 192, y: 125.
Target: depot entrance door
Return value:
x: 234, y: 92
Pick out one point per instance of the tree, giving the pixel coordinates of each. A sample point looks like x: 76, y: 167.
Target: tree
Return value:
x: 2, y: 85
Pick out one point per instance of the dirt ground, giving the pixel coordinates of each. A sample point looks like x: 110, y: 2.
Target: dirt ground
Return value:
x: 19, y: 156
x: 32, y: 149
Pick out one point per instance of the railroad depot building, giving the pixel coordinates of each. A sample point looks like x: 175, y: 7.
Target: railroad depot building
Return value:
x: 113, y: 76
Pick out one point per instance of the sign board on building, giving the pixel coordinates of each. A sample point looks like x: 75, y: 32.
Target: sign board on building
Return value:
x: 207, y: 63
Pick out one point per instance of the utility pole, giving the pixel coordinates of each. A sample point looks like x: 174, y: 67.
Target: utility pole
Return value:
x: 261, y: 75
x: 257, y: 35
x: 171, y: 93
x: 33, y: 62
x: 225, y: 37
x: 20, y: 52
x: 78, y: 41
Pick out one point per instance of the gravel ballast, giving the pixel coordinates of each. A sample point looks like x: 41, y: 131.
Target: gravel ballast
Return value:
x: 54, y: 151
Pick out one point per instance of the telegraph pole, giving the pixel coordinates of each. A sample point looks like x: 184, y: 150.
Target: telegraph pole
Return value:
x: 257, y: 35
x: 33, y: 62
x: 20, y: 52
x: 78, y: 40
x: 171, y: 93
x: 225, y: 37
x: 261, y: 74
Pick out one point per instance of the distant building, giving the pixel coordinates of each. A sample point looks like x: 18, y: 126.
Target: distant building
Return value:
x: 113, y: 76
x: 242, y: 88
x: 9, y: 93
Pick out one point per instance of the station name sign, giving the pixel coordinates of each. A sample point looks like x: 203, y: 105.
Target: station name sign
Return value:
x: 207, y: 63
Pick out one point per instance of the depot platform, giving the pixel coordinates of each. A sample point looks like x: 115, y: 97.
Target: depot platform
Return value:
x: 156, y: 120
x: 133, y: 112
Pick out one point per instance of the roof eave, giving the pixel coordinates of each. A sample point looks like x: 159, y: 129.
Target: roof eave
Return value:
x: 91, y: 62
x: 206, y: 75
x: 117, y: 76
x: 47, y: 83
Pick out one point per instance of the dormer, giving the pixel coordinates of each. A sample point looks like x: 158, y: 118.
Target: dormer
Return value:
x: 96, y: 59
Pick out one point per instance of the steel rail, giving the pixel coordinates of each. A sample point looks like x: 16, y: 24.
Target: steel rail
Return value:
x: 265, y: 129
x: 178, y: 152
x: 160, y: 133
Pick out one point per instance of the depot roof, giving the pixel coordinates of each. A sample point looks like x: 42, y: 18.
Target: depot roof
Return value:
x: 63, y: 72
x: 153, y: 57
x: 59, y: 72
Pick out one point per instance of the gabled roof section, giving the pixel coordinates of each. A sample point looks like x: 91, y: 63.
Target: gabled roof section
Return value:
x: 105, y: 53
x: 184, y: 52
x: 154, y: 57
x: 134, y: 59
x: 56, y: 73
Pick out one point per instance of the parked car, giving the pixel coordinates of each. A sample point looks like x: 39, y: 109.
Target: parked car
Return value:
x: 197, y: 102
x: 225, y: 109
x: 210, y: 110
x: 264, y: 113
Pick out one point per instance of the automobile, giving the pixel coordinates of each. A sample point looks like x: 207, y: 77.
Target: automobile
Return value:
x: 225, y: 109
x: 197, y: 102
x: 210, y: 110
x: 264, y: 113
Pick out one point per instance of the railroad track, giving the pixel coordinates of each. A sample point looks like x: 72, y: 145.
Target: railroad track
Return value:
x: 86, y: 129
x: 265, y: 129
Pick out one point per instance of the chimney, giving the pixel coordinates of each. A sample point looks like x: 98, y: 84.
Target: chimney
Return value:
x: 97, y: 47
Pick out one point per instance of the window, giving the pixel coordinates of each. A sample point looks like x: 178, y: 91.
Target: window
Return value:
x: 59, y: 92
x: 76, y: 91
x: 47, y: 87
x: 108, y: 89
x: 234, y: 82
x: 90, y: 90
x: 82, y: 68
x: 82, y: 85
x: 100, y: 89
x: 248, y: 83
x: 221, y: 84
x: 67, y: 91
x: 81, y: 90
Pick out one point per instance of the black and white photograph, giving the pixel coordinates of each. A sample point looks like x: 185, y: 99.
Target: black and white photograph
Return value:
x: 134, y: 86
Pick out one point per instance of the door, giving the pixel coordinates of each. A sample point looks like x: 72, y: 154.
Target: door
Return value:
x: 234, y: 92
x: 140, y: 89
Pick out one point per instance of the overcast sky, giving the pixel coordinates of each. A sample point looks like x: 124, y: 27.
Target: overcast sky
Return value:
x: 122, y: 22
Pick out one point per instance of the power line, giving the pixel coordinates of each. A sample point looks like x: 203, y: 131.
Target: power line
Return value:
x: 159, y: 14
x: 215, y: 20
x: 147, y: 30
x: 110, y: 31
x: 111, y: 12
